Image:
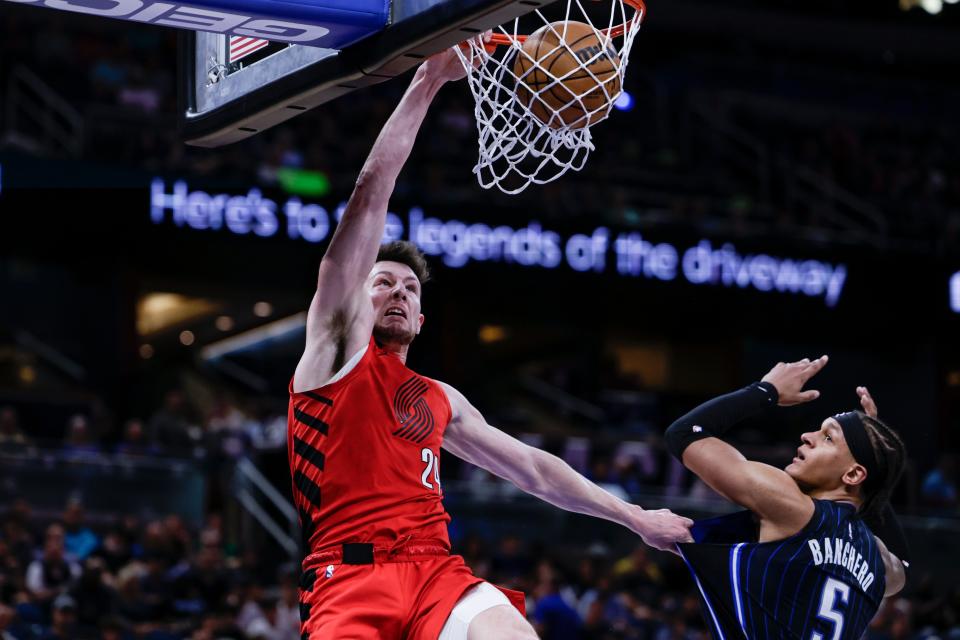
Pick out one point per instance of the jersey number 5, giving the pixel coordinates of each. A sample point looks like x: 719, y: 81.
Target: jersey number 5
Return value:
x: 432, y: 470
x: 828, y: 607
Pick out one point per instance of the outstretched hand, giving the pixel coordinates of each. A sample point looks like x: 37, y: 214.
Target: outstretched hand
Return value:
x: 662, y: 529
x: 866, y: 401
x: 445, y: 66
x: 789, y: 378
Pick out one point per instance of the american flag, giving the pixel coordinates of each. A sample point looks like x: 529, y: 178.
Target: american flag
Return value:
x: 242, y: 46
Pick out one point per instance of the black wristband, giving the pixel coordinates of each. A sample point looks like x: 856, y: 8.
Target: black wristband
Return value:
x: 714, y: 418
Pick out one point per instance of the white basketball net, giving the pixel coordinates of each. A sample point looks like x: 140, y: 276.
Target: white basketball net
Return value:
x: 524, y: 141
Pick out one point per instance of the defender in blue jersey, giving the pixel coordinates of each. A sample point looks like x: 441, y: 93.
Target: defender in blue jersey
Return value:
x: 801, y: 562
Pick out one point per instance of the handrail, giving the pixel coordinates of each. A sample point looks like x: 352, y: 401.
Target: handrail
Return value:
x: 563, y: 399
x: 51, y: 355
x: 850, y: 213
x: 249, y: 503
x: 245, y: 470
x: 832, y: 190
x: 249, y: 470
x: 30, y: 97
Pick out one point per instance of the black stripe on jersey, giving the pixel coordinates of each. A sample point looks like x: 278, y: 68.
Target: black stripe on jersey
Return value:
x: 308, y: 453
x: 304, y: 612
x: 306, y: 528
x: 319, y: 398
x: 308, y: 420
x: 305, y: 636
x: 307, y: 579
x: 307, y: 487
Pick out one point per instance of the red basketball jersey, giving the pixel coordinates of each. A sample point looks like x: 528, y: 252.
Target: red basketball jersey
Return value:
x: 364, y: 455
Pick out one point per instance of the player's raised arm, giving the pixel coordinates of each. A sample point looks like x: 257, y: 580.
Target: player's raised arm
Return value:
x: 340, y: 317
x: 891, y: 540
x: 539, y: 473
x: 770, y: 492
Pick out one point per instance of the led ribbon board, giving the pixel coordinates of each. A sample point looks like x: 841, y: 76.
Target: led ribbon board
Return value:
x: 459, y: 243
x: 331, y: 24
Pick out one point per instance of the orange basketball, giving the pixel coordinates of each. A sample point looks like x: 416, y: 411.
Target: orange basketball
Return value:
x: 567, y: 76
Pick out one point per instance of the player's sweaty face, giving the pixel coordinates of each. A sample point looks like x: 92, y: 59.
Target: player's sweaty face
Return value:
x: 395, y: 294
x: 822, y: 458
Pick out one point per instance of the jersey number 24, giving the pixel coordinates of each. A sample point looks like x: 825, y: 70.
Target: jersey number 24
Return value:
x: 431, y: 470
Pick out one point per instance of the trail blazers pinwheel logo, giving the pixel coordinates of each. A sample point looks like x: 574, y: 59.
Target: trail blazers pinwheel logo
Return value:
x: 412, y: 411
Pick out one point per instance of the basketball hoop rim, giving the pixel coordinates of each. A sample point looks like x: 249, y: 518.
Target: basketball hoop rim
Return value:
x: 503, y: 39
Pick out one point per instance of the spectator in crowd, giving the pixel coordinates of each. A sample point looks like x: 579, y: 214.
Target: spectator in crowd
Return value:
x: 204, y: 582
x: 676, y: 623
x: 582, y: 585
x: 92, y: 596
x: 64, y: 626
x: 52, y: 573
x: 287, y: 622
x: 939, y: 488
x: 169, y: 427
x: 115, y: 550
x: 12, y: 438
x: 134, y: 441
x: 80, y: 541
x: 18, y: 532
x: 10, y: 572
x: 229, y: 431
x: 263, y: 625
x: 155, y: 587
x: 178, y: 536
x: 553, y: 616
x: 130, y: 529
x: 80, y: 444
x: 218, y: 624
x: 112, y: 629
x: 892, y: 622
x: 511, y: 560
x: 253, y: 602
x: 7, y: 615
x: 129, y: 604
x: 638, y: 573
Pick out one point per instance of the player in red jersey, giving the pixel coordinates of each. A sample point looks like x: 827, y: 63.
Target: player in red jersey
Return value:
x: 365, y: 434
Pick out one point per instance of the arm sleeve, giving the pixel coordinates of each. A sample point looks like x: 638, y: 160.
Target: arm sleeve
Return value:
x: 715, y: 417
x: 886, y: 526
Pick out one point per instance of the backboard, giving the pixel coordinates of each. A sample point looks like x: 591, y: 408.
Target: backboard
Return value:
x: 233, y: 86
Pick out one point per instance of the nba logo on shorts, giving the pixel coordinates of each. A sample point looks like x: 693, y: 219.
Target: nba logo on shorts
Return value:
x: 329, y: 572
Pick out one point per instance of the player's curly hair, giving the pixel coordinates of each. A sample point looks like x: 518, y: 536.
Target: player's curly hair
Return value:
x: 891, y: 456
x: 406, y: 253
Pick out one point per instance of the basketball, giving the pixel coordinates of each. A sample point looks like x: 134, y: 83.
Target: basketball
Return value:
x: 567, y: 76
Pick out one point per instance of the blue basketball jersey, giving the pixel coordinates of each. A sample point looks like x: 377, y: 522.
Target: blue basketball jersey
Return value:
x: 825, y: 582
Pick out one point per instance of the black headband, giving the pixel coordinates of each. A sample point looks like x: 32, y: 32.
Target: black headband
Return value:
x: 859, y: 444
